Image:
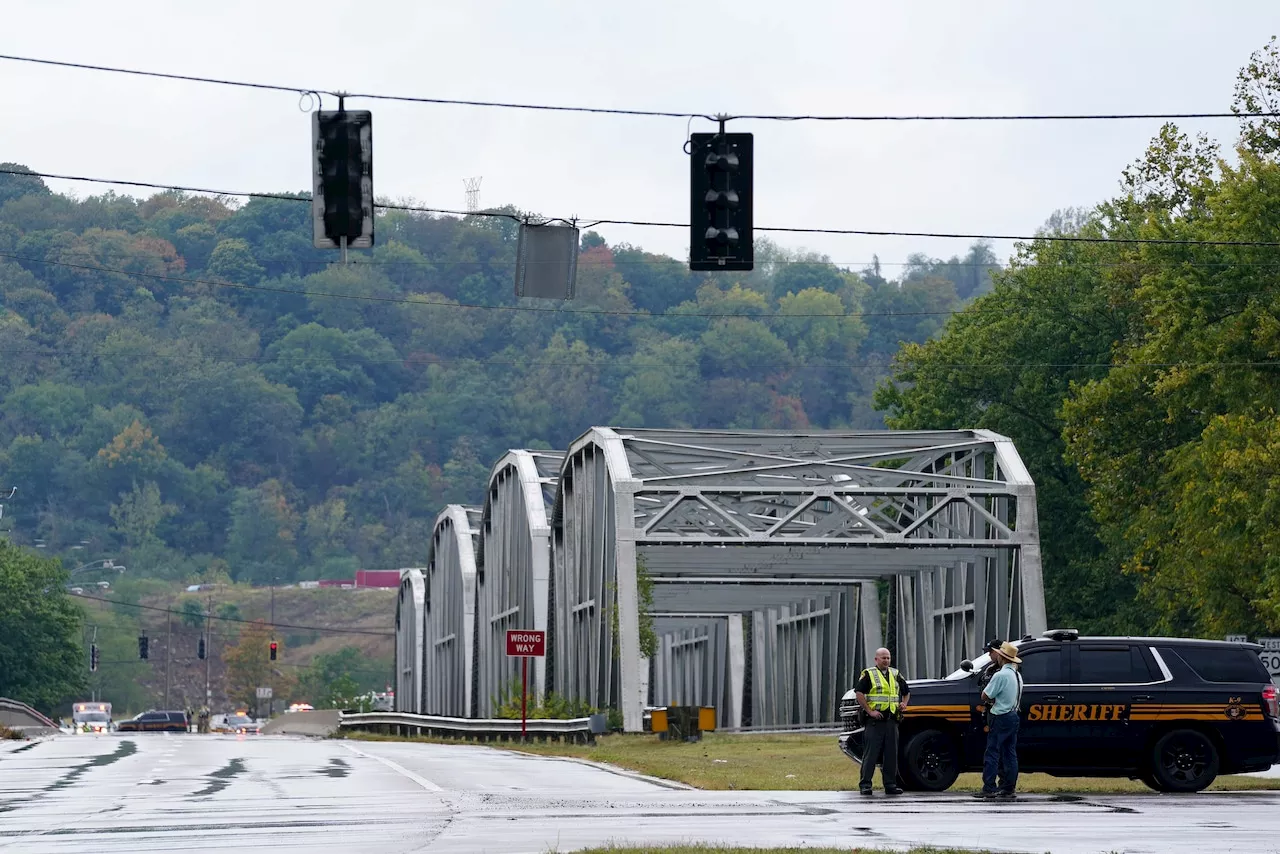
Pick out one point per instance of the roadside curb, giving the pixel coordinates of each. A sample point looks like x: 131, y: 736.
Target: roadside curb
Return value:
x: 612, y: 769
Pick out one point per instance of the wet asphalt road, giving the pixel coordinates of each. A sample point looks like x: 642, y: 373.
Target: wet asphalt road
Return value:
x: 129, y: 793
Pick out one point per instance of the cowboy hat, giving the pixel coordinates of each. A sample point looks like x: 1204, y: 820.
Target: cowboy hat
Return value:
x: 1009, y: 651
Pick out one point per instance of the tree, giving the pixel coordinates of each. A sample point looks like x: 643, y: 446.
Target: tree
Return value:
x: 249, y: 666
x: 192, y: 614
x: 335, y: 679
x: 42, y: 658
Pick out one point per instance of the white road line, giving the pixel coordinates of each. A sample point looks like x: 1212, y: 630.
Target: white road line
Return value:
x: 399, y: 769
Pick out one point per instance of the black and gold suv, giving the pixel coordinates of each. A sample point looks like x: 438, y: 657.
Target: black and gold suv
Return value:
x: 1174, y: 713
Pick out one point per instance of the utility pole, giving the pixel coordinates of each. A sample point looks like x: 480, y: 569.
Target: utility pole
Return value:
x: 168, y: 658
x: 208, y: 654
x: 93, y: 690
x: 271, y: 701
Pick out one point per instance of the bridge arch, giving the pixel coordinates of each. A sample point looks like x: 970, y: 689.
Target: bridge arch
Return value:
x: 513, y: 570
x: 449, y: 613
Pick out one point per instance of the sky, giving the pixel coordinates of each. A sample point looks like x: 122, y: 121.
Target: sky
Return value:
x: 748, y: 56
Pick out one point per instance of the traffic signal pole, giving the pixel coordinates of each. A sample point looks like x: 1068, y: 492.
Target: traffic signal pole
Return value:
x: 168, y: 658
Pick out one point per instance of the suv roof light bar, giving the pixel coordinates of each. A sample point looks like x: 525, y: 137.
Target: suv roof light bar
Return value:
x: 1062, y: 634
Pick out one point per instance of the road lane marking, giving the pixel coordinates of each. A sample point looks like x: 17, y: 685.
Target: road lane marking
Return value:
x: 399, y: 769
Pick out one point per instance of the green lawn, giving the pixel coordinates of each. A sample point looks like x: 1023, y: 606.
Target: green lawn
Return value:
x: 794, y: 762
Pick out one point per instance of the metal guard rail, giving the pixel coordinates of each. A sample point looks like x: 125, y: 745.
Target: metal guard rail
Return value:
x: 503, y: 729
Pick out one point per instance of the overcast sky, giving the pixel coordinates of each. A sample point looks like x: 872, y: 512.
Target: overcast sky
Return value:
x: 749, y: 56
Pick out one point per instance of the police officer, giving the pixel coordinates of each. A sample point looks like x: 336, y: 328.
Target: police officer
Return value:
x: 883, y: 694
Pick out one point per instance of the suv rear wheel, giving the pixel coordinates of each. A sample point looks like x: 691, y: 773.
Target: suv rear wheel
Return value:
x: 1184, y: 760
x: 931, y: 762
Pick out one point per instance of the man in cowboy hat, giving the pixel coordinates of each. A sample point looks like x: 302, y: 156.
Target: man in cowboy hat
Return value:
x: 1002, y: 695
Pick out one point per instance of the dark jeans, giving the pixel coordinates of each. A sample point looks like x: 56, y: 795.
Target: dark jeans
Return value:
x: 881, y: 738
x: 1002, y: 753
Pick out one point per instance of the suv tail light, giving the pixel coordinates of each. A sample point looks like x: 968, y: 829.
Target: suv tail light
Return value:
x: 1273, y: 706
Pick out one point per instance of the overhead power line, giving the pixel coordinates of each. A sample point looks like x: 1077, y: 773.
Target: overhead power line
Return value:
x: 673, y: 114
x: 157, y: 609
x: 586, y: 222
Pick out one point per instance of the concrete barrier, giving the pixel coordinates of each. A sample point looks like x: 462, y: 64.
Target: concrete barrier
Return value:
x: 319, y: 723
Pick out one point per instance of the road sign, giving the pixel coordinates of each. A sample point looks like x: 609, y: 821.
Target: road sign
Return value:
x: 1237, y: 638
x: 526, y: 642
x: 1271, y: 655
x: 264, y: 693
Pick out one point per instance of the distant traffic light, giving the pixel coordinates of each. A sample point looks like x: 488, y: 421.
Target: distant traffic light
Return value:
x: 93, y: 657
x: 200, y: 649
x: 720, y: 223
x: 143, y: 643
x: 273, y: 650
x: 342, y: 191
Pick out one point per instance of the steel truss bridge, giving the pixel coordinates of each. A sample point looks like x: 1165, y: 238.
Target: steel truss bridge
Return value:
x: 751, y: 571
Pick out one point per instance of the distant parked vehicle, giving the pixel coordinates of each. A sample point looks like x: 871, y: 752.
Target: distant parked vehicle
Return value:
x: 238, y: 723
x: 154, y: 721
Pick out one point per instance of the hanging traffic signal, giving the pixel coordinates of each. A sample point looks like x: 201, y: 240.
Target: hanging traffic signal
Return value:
x: 143, y: 643
x: 200, y: 649
x: 273, y: 650
x: 720, y: 201
x: 93, y: 657
x: 342, y: 172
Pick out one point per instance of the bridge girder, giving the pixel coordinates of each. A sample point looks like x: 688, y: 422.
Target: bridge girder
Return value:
x: 947, y: 515
x: 410, y: 617
x: 449, y: 613
x: 514, y: 568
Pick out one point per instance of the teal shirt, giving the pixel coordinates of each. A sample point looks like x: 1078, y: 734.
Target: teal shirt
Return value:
x: 1003, y: 690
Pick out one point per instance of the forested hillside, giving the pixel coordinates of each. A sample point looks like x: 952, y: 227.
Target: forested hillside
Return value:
x: 191, y: 387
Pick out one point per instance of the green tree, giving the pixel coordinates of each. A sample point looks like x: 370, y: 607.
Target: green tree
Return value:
x: 43, y: 661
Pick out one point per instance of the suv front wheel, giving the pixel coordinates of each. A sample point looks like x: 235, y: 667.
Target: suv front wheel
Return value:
x: 1184, y: 760
x: 931, y: 762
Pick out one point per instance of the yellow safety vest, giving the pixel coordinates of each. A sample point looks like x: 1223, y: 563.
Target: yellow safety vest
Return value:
x: 883, y: 696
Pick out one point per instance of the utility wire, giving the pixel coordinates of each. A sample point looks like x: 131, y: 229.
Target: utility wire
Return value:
x: 591, y: 223
x: 675, y: 114
x: 160, y: 610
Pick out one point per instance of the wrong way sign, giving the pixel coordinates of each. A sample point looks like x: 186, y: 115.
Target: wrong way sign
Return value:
x: 526, y: 642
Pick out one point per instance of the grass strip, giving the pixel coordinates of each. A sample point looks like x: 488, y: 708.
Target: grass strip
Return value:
x: 790, y: 763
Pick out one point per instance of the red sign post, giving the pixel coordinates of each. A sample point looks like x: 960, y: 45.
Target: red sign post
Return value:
x: 525, y: 643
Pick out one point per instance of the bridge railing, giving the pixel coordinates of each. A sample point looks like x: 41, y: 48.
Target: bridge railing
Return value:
x: 479, y: 729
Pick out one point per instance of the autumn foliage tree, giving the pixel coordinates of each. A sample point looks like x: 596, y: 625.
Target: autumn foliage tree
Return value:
x: 249, y: 667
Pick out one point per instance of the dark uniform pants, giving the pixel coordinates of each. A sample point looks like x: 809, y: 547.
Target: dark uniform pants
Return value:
x: 881, y: 738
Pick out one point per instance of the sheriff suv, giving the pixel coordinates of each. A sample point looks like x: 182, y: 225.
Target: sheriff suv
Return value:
x: 1172, y: 712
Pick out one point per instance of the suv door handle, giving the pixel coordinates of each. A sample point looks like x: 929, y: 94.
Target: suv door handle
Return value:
x: 1142, y: 698
x: 1054, y: 698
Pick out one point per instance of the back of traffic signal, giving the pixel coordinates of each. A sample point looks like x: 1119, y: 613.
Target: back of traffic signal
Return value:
x: 720, y: 190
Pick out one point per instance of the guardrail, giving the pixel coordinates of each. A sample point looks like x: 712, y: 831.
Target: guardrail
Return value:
x: 20, y: 716
x: 796, y: 729
x: 480, y: 729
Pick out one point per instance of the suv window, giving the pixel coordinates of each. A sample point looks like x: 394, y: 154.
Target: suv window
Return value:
x: 1223, y: 664
x: 1109, y: 665
x: 1042, y: 666
x: 152, y: 716
x: 177, y: 717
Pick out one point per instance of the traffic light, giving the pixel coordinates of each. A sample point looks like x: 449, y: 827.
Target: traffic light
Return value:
x: 342, y: 191
x: 143, y: 643
x: 720, y: 201
x: 200, y: 649
x: 93, y: 657
x: 273, y: 650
